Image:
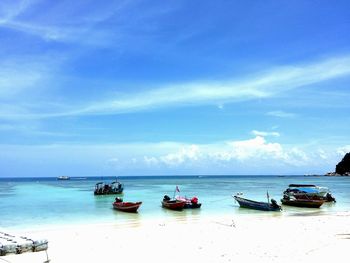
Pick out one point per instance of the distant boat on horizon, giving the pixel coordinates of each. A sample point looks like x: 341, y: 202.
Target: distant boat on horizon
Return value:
x: 63, y: 178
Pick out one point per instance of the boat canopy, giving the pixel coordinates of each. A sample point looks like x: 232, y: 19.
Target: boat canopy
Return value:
x: 308, y: 190
x: 302, y: 185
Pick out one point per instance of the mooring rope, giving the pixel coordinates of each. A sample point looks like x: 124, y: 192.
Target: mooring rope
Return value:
x: 226, y: 198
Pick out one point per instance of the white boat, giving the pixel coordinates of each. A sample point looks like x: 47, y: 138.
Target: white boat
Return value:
x: 63, y: 178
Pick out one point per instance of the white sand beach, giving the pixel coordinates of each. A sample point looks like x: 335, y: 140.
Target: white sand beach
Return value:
x: 216, y: 239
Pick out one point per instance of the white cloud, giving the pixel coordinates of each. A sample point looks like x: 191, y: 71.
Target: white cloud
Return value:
x: 253, y: 156
x: 343, y: 150
x: 281, y: 114
x: 297, y: 157
x: 185, y: 154
x: 254, y: 150
x: 323, y: 155
x: 264, y: 134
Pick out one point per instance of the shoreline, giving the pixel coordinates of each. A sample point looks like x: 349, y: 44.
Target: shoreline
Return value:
x: 175, y: 216
x: 122, y: 218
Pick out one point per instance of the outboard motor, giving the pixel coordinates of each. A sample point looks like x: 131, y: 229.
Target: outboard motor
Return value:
x: 194, y: 200
x: 286, y: 197
x: 166, y: 198
x: 274, y: 203
x: 330, y: 197
x: 118, y: 199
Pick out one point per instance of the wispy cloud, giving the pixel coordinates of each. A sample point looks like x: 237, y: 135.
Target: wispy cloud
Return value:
x: 20, y: 75
x: 11, y: 9
x: 281, y: 114
x: 272, y: 83
x: 264, y: 134
x: 60, y: 23
x: 262, y: 86
x: 27, y: 85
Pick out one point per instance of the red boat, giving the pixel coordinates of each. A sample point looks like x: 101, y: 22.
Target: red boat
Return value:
x: 172, y: 204
x: 130, y: 207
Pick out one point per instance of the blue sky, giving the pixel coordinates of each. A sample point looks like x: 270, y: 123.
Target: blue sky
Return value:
x: 93, y: 88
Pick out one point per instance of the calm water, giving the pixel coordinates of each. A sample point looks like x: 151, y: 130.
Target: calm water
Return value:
x: 36, y: 202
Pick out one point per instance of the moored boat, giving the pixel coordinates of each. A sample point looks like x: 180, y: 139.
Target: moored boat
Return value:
x: 306, y: 195
x: 130, y: 207
x: 102, y: 188
x: 263, y: 206
x: 172, y: 204
x: 309, y: 190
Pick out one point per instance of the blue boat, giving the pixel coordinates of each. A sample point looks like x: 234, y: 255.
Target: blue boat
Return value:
x: 263, y: 206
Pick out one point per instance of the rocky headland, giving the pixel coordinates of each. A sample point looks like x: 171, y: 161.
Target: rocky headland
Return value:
x: 342, y: 168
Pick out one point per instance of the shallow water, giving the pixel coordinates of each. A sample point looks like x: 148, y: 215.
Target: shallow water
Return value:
x: 35, y: 202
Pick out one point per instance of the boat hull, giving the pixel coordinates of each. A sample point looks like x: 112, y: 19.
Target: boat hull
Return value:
x: 188, y: 203
x: 303, y: 203
x: 246, y: 203
x: 129, y: 207
x: 192, y: 206
x: 63, y: 178
x: 108, y: 192
x: 173, y: 204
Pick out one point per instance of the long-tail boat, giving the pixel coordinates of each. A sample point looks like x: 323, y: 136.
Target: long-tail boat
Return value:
x: 172, y: 204
x: 130, y: 207
x: 263, y: 206
x: 310, y: 190
x: 305, y: 195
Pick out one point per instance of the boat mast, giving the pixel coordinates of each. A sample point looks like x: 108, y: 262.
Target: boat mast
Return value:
x: 268, y: 196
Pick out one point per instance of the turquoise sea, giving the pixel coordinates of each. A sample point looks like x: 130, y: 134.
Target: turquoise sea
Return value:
x: 39, y: 202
